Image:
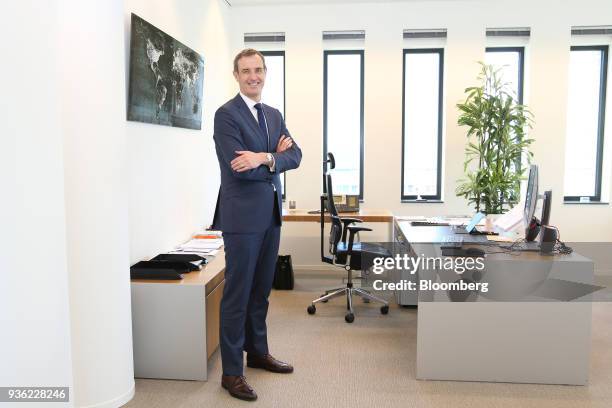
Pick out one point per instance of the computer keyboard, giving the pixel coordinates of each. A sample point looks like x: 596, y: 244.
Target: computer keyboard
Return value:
x: 429, y: 224
x: 452, y: 239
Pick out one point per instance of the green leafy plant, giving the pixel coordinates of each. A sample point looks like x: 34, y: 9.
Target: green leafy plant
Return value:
x: 497, y: 141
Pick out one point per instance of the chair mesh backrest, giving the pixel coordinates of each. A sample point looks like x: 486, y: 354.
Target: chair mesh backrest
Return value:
x: 335, y: 233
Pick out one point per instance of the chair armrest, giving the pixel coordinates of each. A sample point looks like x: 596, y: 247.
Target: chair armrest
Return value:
x: 347, y: 221
x: 352, y: 231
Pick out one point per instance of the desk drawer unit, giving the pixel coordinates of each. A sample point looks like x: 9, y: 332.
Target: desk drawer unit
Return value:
x: 175, y: 324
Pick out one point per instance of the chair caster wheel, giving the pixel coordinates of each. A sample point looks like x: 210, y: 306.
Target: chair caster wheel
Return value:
x: 384, y: 309
x: 311, y: 309
x: 326, y: 300
x: 349, y: 317
x: 366, y: 300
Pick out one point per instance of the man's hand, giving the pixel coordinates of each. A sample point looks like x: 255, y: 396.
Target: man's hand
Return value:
x: 284, y: 143
x: 247, y: 160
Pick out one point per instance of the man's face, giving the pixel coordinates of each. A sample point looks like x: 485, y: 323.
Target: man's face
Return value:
x: 251, y: 76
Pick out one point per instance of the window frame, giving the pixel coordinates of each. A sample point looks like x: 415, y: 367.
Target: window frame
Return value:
x: 281, y: 53
x: 521, y: 70
x: 521, y: 81
x: 361, y: 53
x: 603, y: 79
x: 438, y: 196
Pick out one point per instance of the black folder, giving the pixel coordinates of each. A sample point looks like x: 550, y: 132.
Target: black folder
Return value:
x: 187, y: 258
x: 166, y: 270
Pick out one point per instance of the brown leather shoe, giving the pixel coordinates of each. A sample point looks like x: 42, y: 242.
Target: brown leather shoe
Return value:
x: 238, y: 387
x: 267, y: 362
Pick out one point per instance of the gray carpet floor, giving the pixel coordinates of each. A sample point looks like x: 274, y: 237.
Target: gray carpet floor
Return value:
x: 370, y: 363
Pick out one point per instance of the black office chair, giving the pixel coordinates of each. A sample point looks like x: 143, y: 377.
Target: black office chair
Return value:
x: 352, y: 256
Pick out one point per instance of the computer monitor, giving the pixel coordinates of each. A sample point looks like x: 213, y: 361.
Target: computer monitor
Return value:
x: 531, y: 198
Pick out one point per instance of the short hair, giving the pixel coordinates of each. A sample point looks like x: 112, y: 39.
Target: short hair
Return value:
x: 247, y: 52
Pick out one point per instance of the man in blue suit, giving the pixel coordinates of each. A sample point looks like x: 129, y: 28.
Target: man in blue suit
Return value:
x: 253, y: 147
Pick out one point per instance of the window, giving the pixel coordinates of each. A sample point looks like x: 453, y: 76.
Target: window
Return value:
x: 510, y: 61
x: 511, y: 65
x: 274, y: 90
x: 585, y: 123
x: 343, y: 118
x: 422, y: 124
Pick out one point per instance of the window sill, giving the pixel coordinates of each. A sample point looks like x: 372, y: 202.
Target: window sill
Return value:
x: 423, y: 201
x: 586, y: 203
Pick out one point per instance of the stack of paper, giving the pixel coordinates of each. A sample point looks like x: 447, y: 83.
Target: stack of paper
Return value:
x: 198, y: 244
x: 204, y: 244
x: 205, y: 234
x: 511, y: 220
x: 204, y: 253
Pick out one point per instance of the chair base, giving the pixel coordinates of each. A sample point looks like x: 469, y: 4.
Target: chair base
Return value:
x: 349, y: 291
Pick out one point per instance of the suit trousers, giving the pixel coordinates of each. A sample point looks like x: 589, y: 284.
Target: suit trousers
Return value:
x: 250, y: 263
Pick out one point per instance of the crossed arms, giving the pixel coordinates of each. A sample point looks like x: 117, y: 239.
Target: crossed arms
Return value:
x: 246, y: 164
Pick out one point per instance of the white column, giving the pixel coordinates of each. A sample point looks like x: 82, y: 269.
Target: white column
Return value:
x: 92, y: 82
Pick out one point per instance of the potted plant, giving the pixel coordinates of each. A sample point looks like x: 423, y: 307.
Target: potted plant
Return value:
x: 497, y: 142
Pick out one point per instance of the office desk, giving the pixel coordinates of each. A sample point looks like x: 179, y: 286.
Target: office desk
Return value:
x: 175, y: 324
x: 494, y: 337
x: 365, y: 214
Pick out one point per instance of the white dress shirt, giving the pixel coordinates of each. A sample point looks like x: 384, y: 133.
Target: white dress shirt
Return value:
x: 251, y: 105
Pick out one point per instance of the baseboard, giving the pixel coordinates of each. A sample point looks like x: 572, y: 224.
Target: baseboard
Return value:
x: 116, y: 402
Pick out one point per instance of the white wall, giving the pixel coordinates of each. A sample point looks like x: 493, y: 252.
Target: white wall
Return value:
x: 34, y: 313
x: 173, y: 172
x: 466, y: 21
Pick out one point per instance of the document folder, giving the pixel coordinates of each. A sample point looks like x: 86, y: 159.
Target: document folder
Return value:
x: 187, y: 258
x: 166, y: 270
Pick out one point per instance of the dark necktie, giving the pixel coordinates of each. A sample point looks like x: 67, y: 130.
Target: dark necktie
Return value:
x: 262, y: 124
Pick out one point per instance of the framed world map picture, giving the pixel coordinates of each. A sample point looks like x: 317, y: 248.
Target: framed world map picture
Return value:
x: 166, y: 79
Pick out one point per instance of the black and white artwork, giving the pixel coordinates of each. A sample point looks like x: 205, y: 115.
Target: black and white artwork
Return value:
x: 166, y: 79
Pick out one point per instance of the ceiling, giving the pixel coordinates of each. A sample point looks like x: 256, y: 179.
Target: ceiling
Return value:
x: 290, y: 2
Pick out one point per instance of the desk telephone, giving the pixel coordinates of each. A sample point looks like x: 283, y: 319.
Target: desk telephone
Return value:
x: 346, y: 203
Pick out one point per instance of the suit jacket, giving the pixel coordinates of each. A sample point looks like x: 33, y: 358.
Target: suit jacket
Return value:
x: 247, y: 201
